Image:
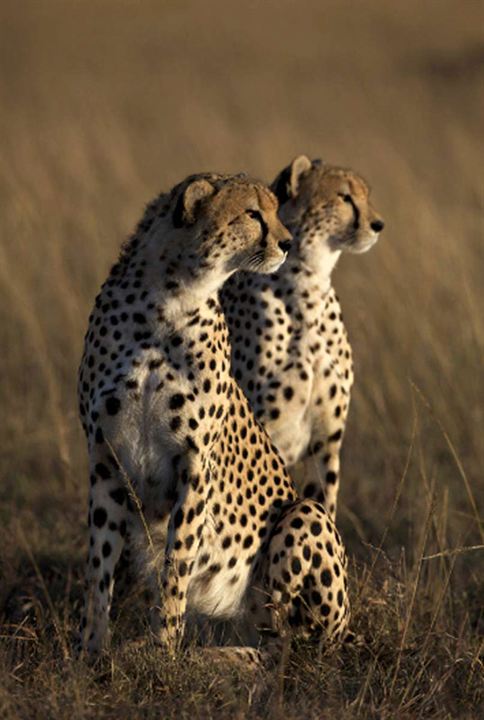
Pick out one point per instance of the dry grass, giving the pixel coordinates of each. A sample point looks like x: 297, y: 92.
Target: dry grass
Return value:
x: 103, y: 104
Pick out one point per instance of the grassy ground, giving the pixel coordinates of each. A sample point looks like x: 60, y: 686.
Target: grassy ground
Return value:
x: 104, y: 103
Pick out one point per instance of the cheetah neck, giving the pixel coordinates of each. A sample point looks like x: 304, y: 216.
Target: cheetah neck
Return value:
x: 311, y: 259
x: 309, y: 273
x: 191, y: 305
x: 179, y: 284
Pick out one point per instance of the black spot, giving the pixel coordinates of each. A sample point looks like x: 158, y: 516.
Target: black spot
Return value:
x: 288, y: 393
x: 99, y: 435
x: 325, y: 610
x: 296, y: 566
x: 176, y: 401
x: 102, y: 471
x: 316, y: 528
x: 106, y: 549
x: 316, y: 560
x: 339, y: 597
x: 175, y: 423
x: 297, y: 523
x: 118, y: 495
x: 112, y: 405
x: 326, y: 578
x: 191, y: 443
x: 331, y: 477
x: 99, y: 517
x: 316, y: 597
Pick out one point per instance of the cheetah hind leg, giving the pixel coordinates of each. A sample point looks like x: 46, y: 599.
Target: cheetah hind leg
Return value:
x: 303, y: 583
x: 125, y: 577
x: 108, y: 517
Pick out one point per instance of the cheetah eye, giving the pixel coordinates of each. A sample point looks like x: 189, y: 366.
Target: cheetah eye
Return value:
x: 255, y: 215
x: 347, y: 198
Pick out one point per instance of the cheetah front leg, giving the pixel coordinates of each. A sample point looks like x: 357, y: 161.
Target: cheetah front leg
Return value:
x: 184, y: 533
x: 317, y: 474
x: 108, y: 517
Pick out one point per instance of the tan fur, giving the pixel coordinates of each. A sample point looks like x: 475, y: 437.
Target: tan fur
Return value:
x: 164, y: 416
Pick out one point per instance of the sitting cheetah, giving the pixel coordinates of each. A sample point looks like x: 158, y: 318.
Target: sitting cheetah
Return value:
x: 163, y: 415
x: 290, y: 351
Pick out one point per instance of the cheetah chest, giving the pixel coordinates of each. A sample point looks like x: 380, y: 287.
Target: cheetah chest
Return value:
x: 298, y: 407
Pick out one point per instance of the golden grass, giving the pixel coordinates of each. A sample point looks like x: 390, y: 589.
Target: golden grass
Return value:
x: 104, y: 103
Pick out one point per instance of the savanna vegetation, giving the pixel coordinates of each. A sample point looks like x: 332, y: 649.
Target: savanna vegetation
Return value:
x: 103, y: 104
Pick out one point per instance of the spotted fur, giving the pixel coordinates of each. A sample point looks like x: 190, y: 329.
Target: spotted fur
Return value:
x: 166, y: 421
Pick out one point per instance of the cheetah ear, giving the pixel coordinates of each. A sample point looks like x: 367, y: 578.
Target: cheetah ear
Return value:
x: 187, y: 205
x: 286, y: 184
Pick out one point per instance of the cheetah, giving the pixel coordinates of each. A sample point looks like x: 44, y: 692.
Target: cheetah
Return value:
x: 290, y: 350
x: 168, y: 427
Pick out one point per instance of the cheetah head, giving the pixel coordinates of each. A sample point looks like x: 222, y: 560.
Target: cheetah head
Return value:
x: 229, y: 223
x: 320, y: 202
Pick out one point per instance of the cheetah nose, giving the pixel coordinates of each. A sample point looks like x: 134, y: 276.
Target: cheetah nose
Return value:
x: 377, y: 225
x: 285, y: 245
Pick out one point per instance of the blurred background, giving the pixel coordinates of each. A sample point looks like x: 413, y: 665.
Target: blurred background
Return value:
x: 104, y: 103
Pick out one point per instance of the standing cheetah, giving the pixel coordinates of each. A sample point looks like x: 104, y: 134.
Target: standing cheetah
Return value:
x: 163, y: 415
x: 290, y: 351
